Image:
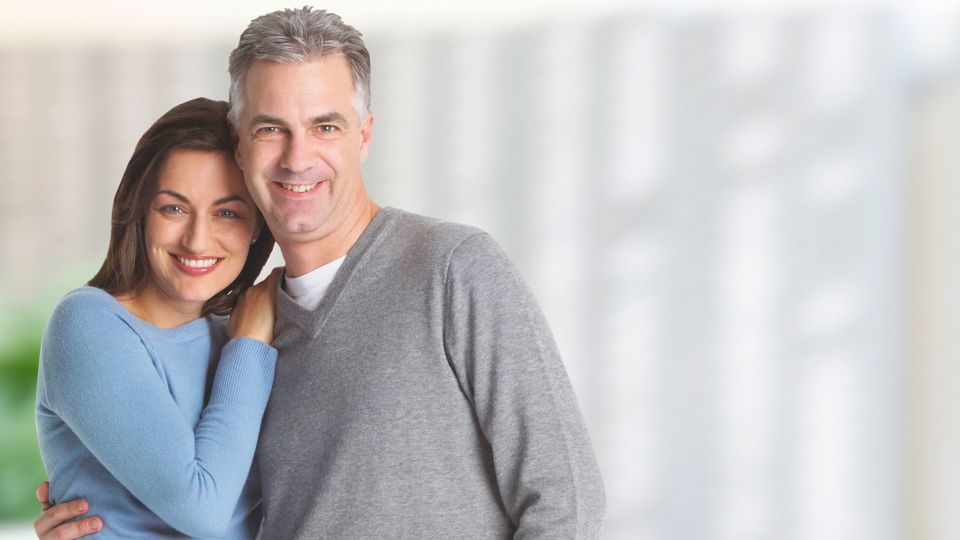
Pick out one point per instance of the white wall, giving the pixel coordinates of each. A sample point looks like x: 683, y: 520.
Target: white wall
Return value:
x: 717, y: 210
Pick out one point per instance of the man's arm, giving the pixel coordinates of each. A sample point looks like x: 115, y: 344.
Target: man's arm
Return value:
x: 52, y: 523
x: 498, y: 342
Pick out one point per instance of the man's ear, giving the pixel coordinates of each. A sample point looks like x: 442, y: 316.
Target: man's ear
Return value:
x: 366, y: 132
x: 238, y: 157
x: 235, y: 137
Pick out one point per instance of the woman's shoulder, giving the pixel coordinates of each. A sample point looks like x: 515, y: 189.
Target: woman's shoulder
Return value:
x: 90, y: 295
x: 87, y: 324
x: 87, y: 303
x: 89, y: 313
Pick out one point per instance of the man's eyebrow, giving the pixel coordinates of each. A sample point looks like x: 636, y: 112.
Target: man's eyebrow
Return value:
x: 330, y: 117
x: 267, y: 119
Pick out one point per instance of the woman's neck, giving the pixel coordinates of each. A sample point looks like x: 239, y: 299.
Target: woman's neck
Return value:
x: 151, y: 307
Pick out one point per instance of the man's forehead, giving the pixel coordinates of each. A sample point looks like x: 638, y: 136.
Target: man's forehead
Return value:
x: 299, y: 90
x: 334, y: 64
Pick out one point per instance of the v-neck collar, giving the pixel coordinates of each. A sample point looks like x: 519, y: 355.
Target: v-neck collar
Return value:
x: 312, y: 322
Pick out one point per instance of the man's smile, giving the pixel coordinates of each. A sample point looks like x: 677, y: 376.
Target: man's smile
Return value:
x: 298, y: 188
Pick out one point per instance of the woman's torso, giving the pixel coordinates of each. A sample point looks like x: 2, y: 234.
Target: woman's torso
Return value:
x: 183, y: 360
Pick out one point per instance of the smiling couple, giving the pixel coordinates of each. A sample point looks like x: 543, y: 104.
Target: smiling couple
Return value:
x: 417, y: 393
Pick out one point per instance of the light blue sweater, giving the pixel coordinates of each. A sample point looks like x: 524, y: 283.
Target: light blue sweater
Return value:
x: 156, y: 428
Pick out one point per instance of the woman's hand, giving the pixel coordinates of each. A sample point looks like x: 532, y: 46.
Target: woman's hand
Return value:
x: 50, y: 525
x: 256, y: 310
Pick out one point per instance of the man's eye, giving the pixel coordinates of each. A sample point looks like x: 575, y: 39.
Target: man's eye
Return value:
x: 329, y: 128
x: 268, y: 130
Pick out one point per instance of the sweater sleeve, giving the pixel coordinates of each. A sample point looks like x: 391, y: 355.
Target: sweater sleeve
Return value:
x: 100, y: 379
x: 498, y: 342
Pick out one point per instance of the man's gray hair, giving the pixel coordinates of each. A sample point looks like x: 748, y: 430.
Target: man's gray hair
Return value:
x: 299, y: 35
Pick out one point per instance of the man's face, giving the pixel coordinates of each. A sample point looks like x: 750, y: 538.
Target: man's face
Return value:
x: 300, y: 146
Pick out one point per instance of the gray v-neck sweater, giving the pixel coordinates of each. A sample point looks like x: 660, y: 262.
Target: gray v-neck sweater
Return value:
x: 424, y: 398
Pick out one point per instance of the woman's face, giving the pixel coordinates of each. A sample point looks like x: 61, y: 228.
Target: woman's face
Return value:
x: 198, y: 229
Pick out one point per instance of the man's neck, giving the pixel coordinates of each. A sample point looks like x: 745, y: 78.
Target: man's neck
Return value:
x: 303, y: 257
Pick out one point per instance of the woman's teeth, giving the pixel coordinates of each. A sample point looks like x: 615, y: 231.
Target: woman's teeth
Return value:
x: 198, y: 263
x: 299, y: 188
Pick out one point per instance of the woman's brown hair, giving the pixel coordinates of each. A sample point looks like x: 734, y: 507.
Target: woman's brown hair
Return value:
x: 198, y: 124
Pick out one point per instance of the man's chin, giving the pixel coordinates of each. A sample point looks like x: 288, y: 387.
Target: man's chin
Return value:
x: 296, y: 232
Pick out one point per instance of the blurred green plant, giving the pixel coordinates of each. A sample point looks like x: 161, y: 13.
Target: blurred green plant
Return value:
x: 20, y: 465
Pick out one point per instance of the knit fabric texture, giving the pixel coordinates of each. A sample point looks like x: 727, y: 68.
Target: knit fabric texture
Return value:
x: 155, y: 427
x: 424, y: 398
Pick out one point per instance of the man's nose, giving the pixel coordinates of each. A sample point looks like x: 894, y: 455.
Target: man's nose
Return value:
x: 298, y: 154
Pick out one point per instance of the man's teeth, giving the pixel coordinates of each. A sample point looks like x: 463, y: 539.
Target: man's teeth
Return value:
x: 198, y: 263
x: 299, y: 188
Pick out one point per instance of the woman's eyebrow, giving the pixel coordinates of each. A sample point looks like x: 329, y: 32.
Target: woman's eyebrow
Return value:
x: 174, y: 194
x: 221, y: 200
x: 229, y: 198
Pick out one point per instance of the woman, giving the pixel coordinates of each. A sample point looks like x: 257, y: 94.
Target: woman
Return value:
x: 148, y: 403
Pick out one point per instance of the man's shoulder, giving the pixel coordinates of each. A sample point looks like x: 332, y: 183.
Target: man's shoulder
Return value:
x: 435, y: 242
x: 430, y: 230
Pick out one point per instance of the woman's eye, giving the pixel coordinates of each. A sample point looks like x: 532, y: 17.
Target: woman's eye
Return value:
x: 228, y: 214
x: 172, y: 209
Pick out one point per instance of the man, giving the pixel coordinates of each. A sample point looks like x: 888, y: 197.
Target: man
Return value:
x: 419, y: 392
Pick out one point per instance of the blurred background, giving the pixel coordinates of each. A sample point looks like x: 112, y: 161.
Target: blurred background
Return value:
x: 741, y: 221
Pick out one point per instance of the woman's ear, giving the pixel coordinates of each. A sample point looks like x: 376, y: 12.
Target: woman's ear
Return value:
x: 256, y: 230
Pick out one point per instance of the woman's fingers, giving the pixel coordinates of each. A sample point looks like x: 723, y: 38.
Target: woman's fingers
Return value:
x: 43, y: 495
x: 255, y: 312
x: 51, y: 523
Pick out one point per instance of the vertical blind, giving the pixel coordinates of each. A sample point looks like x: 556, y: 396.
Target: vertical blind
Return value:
x: 710, y: 209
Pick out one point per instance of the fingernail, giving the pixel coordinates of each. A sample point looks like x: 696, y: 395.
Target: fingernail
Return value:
x: 94, y: 524
x: 80, y: 506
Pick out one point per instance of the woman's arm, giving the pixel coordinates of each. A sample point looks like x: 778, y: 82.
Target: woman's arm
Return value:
x: 100, y: 379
